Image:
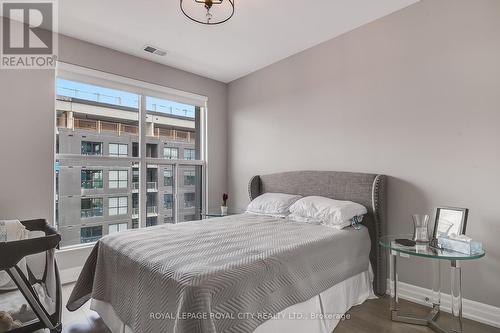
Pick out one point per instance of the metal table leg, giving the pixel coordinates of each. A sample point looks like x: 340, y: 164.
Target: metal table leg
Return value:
x: 395, y: 316
x: 393, y: 275
x: 430, y: 319
x: 456, y: 295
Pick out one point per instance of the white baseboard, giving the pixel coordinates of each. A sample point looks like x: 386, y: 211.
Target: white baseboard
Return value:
x: 483, y: 313
x: 70, y: 275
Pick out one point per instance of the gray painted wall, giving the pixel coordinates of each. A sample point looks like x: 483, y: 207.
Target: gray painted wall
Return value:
x: 27, y: 143
x: 414, y: 95
x: 27, y: 128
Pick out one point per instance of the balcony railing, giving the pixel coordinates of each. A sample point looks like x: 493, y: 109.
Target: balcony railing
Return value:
x: 135, y: 186
x: 170, y: 110
x: 123, y: 129
x: 189, y: 204
x: 61, y: 121
x: 174, y: 135
x: 135, y: 212
x: 92, y: 184
x: 122, y: 101
x: 152, y: 186
x: 152, y: 210
x: 97, y: 97
x: 97, y: 125
x: 91, y: 239
x: 91, y: 212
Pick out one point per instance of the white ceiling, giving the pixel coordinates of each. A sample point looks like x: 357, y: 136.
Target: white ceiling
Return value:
x: 260, y: 33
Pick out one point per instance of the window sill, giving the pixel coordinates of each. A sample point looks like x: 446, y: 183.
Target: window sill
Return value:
x: 77, y: 247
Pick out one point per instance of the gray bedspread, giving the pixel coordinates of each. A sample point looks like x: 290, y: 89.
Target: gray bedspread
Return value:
x: 218, y: 275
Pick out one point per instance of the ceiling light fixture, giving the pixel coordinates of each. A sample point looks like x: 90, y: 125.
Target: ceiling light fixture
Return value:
x: 208, y: 12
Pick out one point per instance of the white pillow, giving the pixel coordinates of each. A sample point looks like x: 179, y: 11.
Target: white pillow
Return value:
x: 275, y: 204
x: 327, y: 211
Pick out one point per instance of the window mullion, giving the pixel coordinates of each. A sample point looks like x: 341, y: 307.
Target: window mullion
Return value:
x: 142, y: 164
x: 176, y: 192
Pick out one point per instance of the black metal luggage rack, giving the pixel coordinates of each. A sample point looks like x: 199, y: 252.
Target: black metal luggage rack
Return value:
x: 12, y: 252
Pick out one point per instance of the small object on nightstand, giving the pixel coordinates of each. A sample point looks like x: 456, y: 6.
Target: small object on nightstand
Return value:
x: 405, y: 242
x: 449, y: 220
x: 460, y: 243
x: 420, y: 231
x: 223, y: 208
x: 434, y: 244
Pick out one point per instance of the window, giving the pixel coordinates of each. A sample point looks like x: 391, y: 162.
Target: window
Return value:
x: 189, y: 200
x: 118, y: 178
x: 190, y: 217
x: 91, y: 207
x: 189, y: 177
x: 152, y: 179
x: 118, y: 149
x: 189, y: 154
x: 135, y: 149
x: 135, y: 179
x: 151, y: 204
x: 171, y: 153
x: 135, y: 205
x: 168, y: 200
x: 91, y: 179
x: 91, y: 148
x: 152, y: 150
x: 90, y: 234
x: 118, y: 206
x: 117, y: 227
x: 135, y: 175
x: 102, y: 118
x: 168, y: 179
x: 151, y: 221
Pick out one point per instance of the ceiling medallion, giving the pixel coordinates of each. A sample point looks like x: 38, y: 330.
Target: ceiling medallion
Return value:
x: 208, y: 12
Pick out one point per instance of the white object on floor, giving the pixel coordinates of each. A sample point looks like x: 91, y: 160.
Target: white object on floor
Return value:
x: 326, y: 307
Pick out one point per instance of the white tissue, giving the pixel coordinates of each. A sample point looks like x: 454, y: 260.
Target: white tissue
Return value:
x: 461, y: 238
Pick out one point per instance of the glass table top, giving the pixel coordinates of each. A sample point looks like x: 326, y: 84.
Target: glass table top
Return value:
x: 424, y: 250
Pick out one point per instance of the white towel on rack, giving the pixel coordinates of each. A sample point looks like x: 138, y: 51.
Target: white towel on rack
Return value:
x: 12, y: 230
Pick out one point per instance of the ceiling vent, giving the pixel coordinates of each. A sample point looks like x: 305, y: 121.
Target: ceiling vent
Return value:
x: 154, y: 50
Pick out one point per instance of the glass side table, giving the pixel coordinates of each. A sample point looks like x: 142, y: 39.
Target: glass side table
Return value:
x: 437, y: 255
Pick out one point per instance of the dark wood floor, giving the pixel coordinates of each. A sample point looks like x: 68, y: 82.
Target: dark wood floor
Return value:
x: 372, y: 316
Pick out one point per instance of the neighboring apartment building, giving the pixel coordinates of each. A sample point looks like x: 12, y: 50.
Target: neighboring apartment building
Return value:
x: 97, y: 183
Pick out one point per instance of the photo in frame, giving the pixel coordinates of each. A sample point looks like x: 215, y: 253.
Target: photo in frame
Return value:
x: 450, y: 220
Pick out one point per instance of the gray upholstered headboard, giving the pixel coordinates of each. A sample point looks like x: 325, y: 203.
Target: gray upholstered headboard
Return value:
x: 363, y: 188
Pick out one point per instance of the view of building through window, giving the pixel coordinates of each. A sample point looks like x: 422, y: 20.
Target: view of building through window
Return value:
x: 98, y: 145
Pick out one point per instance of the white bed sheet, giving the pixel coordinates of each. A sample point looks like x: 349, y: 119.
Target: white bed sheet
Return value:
x: 321, y: 312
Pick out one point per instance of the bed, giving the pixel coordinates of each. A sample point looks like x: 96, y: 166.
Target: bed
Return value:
x: 242, y: 273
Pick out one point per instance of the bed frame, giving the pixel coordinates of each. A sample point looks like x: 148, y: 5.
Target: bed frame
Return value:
x: 363, y: 188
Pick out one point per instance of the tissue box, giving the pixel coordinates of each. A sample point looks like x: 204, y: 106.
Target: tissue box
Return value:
x: 465, y: 246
